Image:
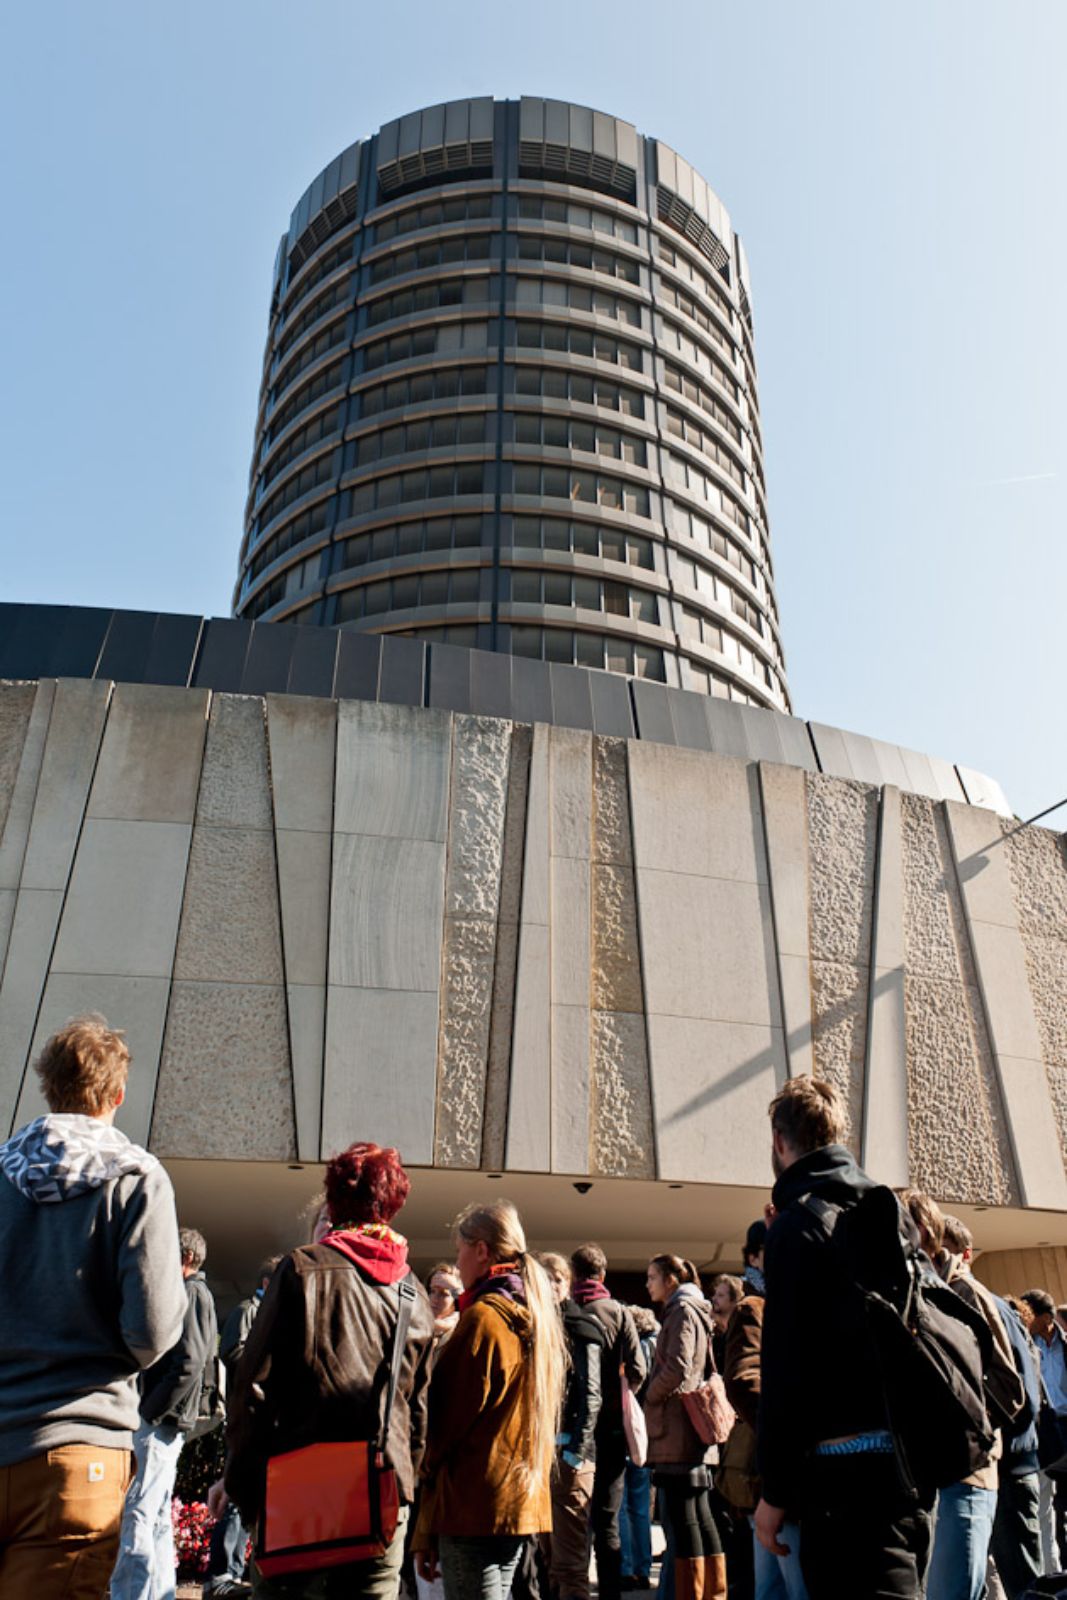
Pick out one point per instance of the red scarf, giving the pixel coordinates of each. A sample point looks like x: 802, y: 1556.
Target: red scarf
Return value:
x: 586, y: 1290
x: 381, y: 1253
x: 504, y: 1279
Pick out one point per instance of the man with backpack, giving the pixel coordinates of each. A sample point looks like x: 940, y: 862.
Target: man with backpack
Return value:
x: 825, y: 1444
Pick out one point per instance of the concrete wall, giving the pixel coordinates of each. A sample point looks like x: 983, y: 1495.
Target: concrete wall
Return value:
x: 506, y: 948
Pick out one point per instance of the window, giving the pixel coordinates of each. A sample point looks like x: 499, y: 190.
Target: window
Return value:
x: 540, y: 208
x: 326, y: 422
x: 568, y: 483
x: 433, y: 253
x: 334, y: 296
x: 696, y: 356
x: 682, y: 427
x: 685, y: 303
x: 568, y: 252
x: 582, y: 388
x: 699, y: 529
x: 425, y: 342
x: 299, y: 484
x: 579, y: 297
x: 411, y: 538
x: 302, y: 527
x: 588, y: 593
x: 568, y: 433
x: 328, y: 339
x: 578, y: 342
x: 428, y: 297
x: 432, y: 214
x: 697, y: 483
x: 426, y: 483
x: 552, y: 533
x: 424, y: 387
x: 689, y: 269
x: 433, y: 433
x: 320, y: 384
x: 322, y: 269
x: 588, y: 650
x: 408, y: 591
x: 695, y: 392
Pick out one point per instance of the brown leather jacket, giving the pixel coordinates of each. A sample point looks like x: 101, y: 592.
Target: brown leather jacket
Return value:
x: 313, y: 1369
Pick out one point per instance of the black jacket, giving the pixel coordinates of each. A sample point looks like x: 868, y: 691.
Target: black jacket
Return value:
x: 586, y: 1340
x: 171, y: 1389
x: 235, y: 1331
x: 818, y: 1372
x: 622, y: 1348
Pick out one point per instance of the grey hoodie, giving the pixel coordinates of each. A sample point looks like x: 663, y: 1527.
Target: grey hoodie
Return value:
x: 91, y: 1289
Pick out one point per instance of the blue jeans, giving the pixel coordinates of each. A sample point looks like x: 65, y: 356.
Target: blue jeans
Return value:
x: 779, y: 1577
x: 479, y: 1568
x: 961, y: 1543
x: 145, y: 1569
x: 635, y: 1521
x: 229, y: 1539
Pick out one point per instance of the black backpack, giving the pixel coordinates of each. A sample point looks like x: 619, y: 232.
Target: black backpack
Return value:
x: 211, y: 1407
x: 932, y: 1347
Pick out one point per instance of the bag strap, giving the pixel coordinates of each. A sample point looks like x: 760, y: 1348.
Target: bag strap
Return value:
x: 406, y: 1291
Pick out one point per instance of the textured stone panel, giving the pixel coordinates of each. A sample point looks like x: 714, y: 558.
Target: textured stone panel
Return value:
x: 696, y: 813
x: 611, y: 802
x: 572, y: 792
x: 225, y: 1085
x: 381, y: 1067
x: 1038, y: 862
x: 79, y: 709
x: 842, y: 823
x: 235, y: 782
x: 304, y: 872
x: 33, y: 933
x: 616, y: 974
x: 1046, y: 961
x: 466, y: 1006
x: 16, y: 704
x: 302, y: 737
x: 392, y: 770
x: 229, y: 929
x: 16, y: 828
x: 620, y: 1114
x: 935, y: 935
x: 149, y: 765
x: 712, y: 1083
x: 125, y: 899
x: 386, y: 911
x: 839, y: 1006
x: 708, y: 947
x: 480, y: 762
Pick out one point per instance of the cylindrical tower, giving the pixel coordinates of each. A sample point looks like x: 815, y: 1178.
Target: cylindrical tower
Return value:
x: 509, y: 401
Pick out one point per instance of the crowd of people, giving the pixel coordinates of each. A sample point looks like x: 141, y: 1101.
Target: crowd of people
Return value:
x: 854, y: 1416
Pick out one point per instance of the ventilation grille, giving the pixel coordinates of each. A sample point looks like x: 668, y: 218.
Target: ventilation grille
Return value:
x: 332, y: 217
x: 589, y: 171
x: 674, y: 211
x: 466, y: 155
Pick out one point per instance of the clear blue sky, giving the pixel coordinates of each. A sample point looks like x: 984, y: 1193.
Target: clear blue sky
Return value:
x: 896, y: 169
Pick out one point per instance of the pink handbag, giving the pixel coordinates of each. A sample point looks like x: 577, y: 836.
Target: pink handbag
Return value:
x: 633, y: 1424
x: 707, y: 1407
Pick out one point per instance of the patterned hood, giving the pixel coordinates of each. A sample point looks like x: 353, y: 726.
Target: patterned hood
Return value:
x: 64, y: 1155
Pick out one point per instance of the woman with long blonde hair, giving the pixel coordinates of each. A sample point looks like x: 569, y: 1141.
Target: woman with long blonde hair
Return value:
x: 495, y: 1405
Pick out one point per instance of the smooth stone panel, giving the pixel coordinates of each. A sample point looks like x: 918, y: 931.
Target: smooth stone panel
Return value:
x: 149, y: 766
x: 307, y: 1043
x: 16, y: 830
x: 235, y: 783
x: 711, y: 1085
x: 570, y: 1088
x: 136, y: 1005
x: 386, y: 911
x: 885, y: 1098
x: 392, y: 771
x: 7, y: 917
x: 1032, y: 1128
x: 528, y: 1145
x: 708, y: 948
x: 230, y: 928
x: 983, y: 864
x: 381, y: 1066
x: 535, y: 881
x: 785, y: 813
x: 16, y: 706
x: 125, y: 899
x: 696, y: 814
x: 570, y: 932
x: 304, y: 874
x: 33, y: 932
x: 1001, y: 965
x: 983, y: 791
x: 225, y: 1085
x: 302, y: 737
x: 79, y: 710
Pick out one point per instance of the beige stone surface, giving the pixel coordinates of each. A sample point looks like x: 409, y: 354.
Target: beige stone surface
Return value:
x: 498, y: 1069
x: 620, y: 1110
x: 612, y: 839
x: 229, y: 928
x: 480, y: 762
x: 33, y: 931
x: 842, y: 823
x: 225, y: 1084
x: 125, y: 898
x: 16, y: 704
x: 839, y: 1007
x: 386, y: 912
x: 149, y: 764
x: 75, y: 726
x: 616, y: 972
x: 572, y: 792
x: 785, y: 819
x: 381, y: 1067
x: 884, y: 1144
x: 392, y: 771
x: 570, y: 1088
x: 304, y: 875
x: 19, y: 811
x: 466, y: 1007
x: 306, y: 1004
x: 528, y: 1145
x: 696, y: 813
x: 570, y: 931
x: 301, y: 739
x: 1037, y: 859
x: 708, y: 948
x: 235, y: 781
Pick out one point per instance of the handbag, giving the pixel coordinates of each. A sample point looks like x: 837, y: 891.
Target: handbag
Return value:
x: 707, y: 1407
x: 336, y: 1502
x: 634, y: 1425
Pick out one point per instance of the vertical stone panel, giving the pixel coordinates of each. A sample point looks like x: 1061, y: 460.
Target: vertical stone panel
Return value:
x: 1038, y: 862
x: 958, y: 1137
x: 225, y: 1082
x: 620, y: 1100
x: 481, y: 752
x: 18, y: 814
x: 842, y: 828
x: 885, y: 1107
x: 528, y: 1147
x: 571, y: 819
x: 985, y: 883
x: 16, y: 704
x: 786, y: 820
x: 501, y: 1024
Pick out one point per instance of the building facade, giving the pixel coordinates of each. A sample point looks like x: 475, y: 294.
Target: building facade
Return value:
x: 509, y: 401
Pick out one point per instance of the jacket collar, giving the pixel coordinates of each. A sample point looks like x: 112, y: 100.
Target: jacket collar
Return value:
x: 832, y: 1173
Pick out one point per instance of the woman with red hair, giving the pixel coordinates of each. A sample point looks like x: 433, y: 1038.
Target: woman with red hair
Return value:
x: 316, y: 1362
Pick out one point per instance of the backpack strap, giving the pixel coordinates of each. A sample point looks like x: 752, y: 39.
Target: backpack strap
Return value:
x: 406, y: 1291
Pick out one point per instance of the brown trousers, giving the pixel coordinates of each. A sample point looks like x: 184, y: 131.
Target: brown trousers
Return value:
x: 572, y: 1491
x: 60, y: 1515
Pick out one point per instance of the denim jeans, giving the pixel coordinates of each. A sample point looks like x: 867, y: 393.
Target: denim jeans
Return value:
x: 635, y: 1521
x: 145, y: 1569
x: 479, y: 1568
x: 961, y: 1542
x: 1050, y: 1552
x: 779, y: 1577
x: 226, y: 1562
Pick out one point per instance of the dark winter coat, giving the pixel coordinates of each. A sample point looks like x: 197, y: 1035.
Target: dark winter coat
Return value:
x: 171, y: 1389
x: 586, y: 1339
x: 681, y: 1363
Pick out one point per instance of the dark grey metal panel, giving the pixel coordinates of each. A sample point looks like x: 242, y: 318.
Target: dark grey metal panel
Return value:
x: 359, y: 664
x: 862, y: 757
x: 450, y: 678
x: 270, y: 652
x: 689, y: 719
x: 173, y: 651
x: 531, y: 690
x: 762, y: 733
x: 314, y: 658
x: 221, y: 660
x: 572, y: 703
x: 612, y: 708
x: 491, y: 694
x: 797, y: 748
x: 124, y: 657
x: 60, y: 641
x: 891, y: 763
x: 983, y: 791
x: 729, y: 736
x: 403, y: 676
x: 652, y: 709
x: 947, y: 778
x: 15, y: 628
x: 831, y: 750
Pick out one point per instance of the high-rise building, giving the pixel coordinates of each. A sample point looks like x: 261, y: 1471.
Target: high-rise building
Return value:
x: 509, y: 401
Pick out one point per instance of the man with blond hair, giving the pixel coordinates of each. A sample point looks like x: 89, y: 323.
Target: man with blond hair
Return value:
x: 92, y: 1295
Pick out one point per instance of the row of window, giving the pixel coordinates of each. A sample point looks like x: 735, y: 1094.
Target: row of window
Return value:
x: 336, y: 334
x: 335, y: 295
x: 708, y: 583
x: 578, y: 297
x: 413, y: 538
x: 582, y: 388
x: 434, y: 253
x: 326, y: 422
x: 428, y: 297
x: 669, y: 295
x: 327, y: 264
x: 591, y: 488
x: 697, y: 483
x: 568, y: 252
x: 565, y: 433
x: 728, y: 646
x: 428, y: 433
x: 694, y: 355
x: 588, y: 650
x: 681, y: 383
x: 433, y: 214
x: 426, y: 342
x: 539, y: 208
x: 318, y: 472
x: 424, y: 483
x: 688, y: 269
x: 592, y: 594
x: 423, y: 387
x: 579, y: 342
x: 690, y: 524
x: 306, y: 396
x: 305, y: 526
x: 584, y: 538
x: 680, y: 427
x: 408, y: 590
x: 704, y: 681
